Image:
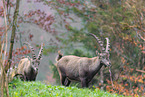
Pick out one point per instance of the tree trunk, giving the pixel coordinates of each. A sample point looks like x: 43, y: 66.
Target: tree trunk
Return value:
x: 2, y: 61
x: 13, y: 34
x: 6, y: 84
x: 2, y: 83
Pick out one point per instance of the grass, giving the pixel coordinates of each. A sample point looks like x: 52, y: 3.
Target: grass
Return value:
x: 19, y: 88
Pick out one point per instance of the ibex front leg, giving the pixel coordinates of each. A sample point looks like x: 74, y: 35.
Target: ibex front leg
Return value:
x: 84, y: 82
x: 67, y: 82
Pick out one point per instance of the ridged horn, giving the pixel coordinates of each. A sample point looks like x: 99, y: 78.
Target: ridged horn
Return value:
x: 107, y: 46
x: 99, y: 42
x: 32, y: 50
x: 40, y: 52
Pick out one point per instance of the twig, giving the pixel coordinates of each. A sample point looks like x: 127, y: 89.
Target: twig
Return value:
x: 111, y: 76
x: 115, y: 49
x: 140, y: 70
x: 138, y: 34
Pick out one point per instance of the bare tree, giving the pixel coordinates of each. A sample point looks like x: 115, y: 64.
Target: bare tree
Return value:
x: 13, y: 34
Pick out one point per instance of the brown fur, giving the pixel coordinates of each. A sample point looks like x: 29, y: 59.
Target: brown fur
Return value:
x: 27, y: 69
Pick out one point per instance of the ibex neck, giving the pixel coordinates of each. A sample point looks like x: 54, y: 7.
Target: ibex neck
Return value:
x: 96, y: 64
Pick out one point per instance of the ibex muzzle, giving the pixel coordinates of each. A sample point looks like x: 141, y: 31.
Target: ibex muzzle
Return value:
x: 28, y: 67
x: 82, y: 69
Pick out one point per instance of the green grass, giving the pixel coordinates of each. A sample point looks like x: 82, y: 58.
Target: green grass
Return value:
x: 19, y: 88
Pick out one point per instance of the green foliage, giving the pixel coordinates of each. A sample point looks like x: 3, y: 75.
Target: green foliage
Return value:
x: 55, y: 72
x: 77, y: 11
x: 92, y: 26
x: 38, y: 89
x: 49, y: 49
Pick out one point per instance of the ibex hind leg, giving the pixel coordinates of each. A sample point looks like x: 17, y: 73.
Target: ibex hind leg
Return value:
x: 62, y: 79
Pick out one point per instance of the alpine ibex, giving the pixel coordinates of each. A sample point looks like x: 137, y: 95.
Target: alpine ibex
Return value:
x: 82, y: 69
x: 28, y: 67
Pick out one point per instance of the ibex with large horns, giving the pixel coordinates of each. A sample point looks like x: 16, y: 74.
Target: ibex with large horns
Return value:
x: 28, y: 67
x: 82, y: 69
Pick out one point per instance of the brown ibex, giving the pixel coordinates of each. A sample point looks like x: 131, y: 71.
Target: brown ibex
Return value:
x: 28, y: 67
x: 82, y: 69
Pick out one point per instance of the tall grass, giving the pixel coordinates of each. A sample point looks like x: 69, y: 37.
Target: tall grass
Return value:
x: 19, y: 88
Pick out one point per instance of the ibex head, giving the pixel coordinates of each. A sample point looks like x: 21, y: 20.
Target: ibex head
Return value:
x: 104, y: 55
x: 35, y: 60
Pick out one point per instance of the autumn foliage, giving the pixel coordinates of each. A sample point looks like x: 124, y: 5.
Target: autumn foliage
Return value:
x: 122, y: 21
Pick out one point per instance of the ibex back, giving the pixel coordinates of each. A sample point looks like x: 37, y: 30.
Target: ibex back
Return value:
x: 82, y: 69
x: 28, y: 67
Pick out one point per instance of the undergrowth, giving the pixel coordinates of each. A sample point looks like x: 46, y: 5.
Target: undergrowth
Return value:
x: 19, y: 88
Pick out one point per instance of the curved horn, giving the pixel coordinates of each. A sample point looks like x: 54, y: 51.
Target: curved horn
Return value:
x: 32, y: 50
x: 107, y: 45
x: 40, y: 52
x: 99, y: 42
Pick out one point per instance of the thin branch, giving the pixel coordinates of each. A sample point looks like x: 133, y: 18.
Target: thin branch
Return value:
x: 141, y: 37
x: 8, y: 2
x: 6, y: 35
x: 138, y: 34
x: 115, y: 49
x: 140, y: 70
x: 3, y: 75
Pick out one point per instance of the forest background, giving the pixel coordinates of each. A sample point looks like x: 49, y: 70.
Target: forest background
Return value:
x: 64, y: 25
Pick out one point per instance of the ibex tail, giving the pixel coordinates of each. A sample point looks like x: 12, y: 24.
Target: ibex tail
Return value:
x: 59, y: 56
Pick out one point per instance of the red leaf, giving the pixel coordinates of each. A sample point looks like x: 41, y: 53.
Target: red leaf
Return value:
x: 143, y: 52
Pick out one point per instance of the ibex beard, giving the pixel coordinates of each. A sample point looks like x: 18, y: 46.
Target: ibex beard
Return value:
x: 81, y: 69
